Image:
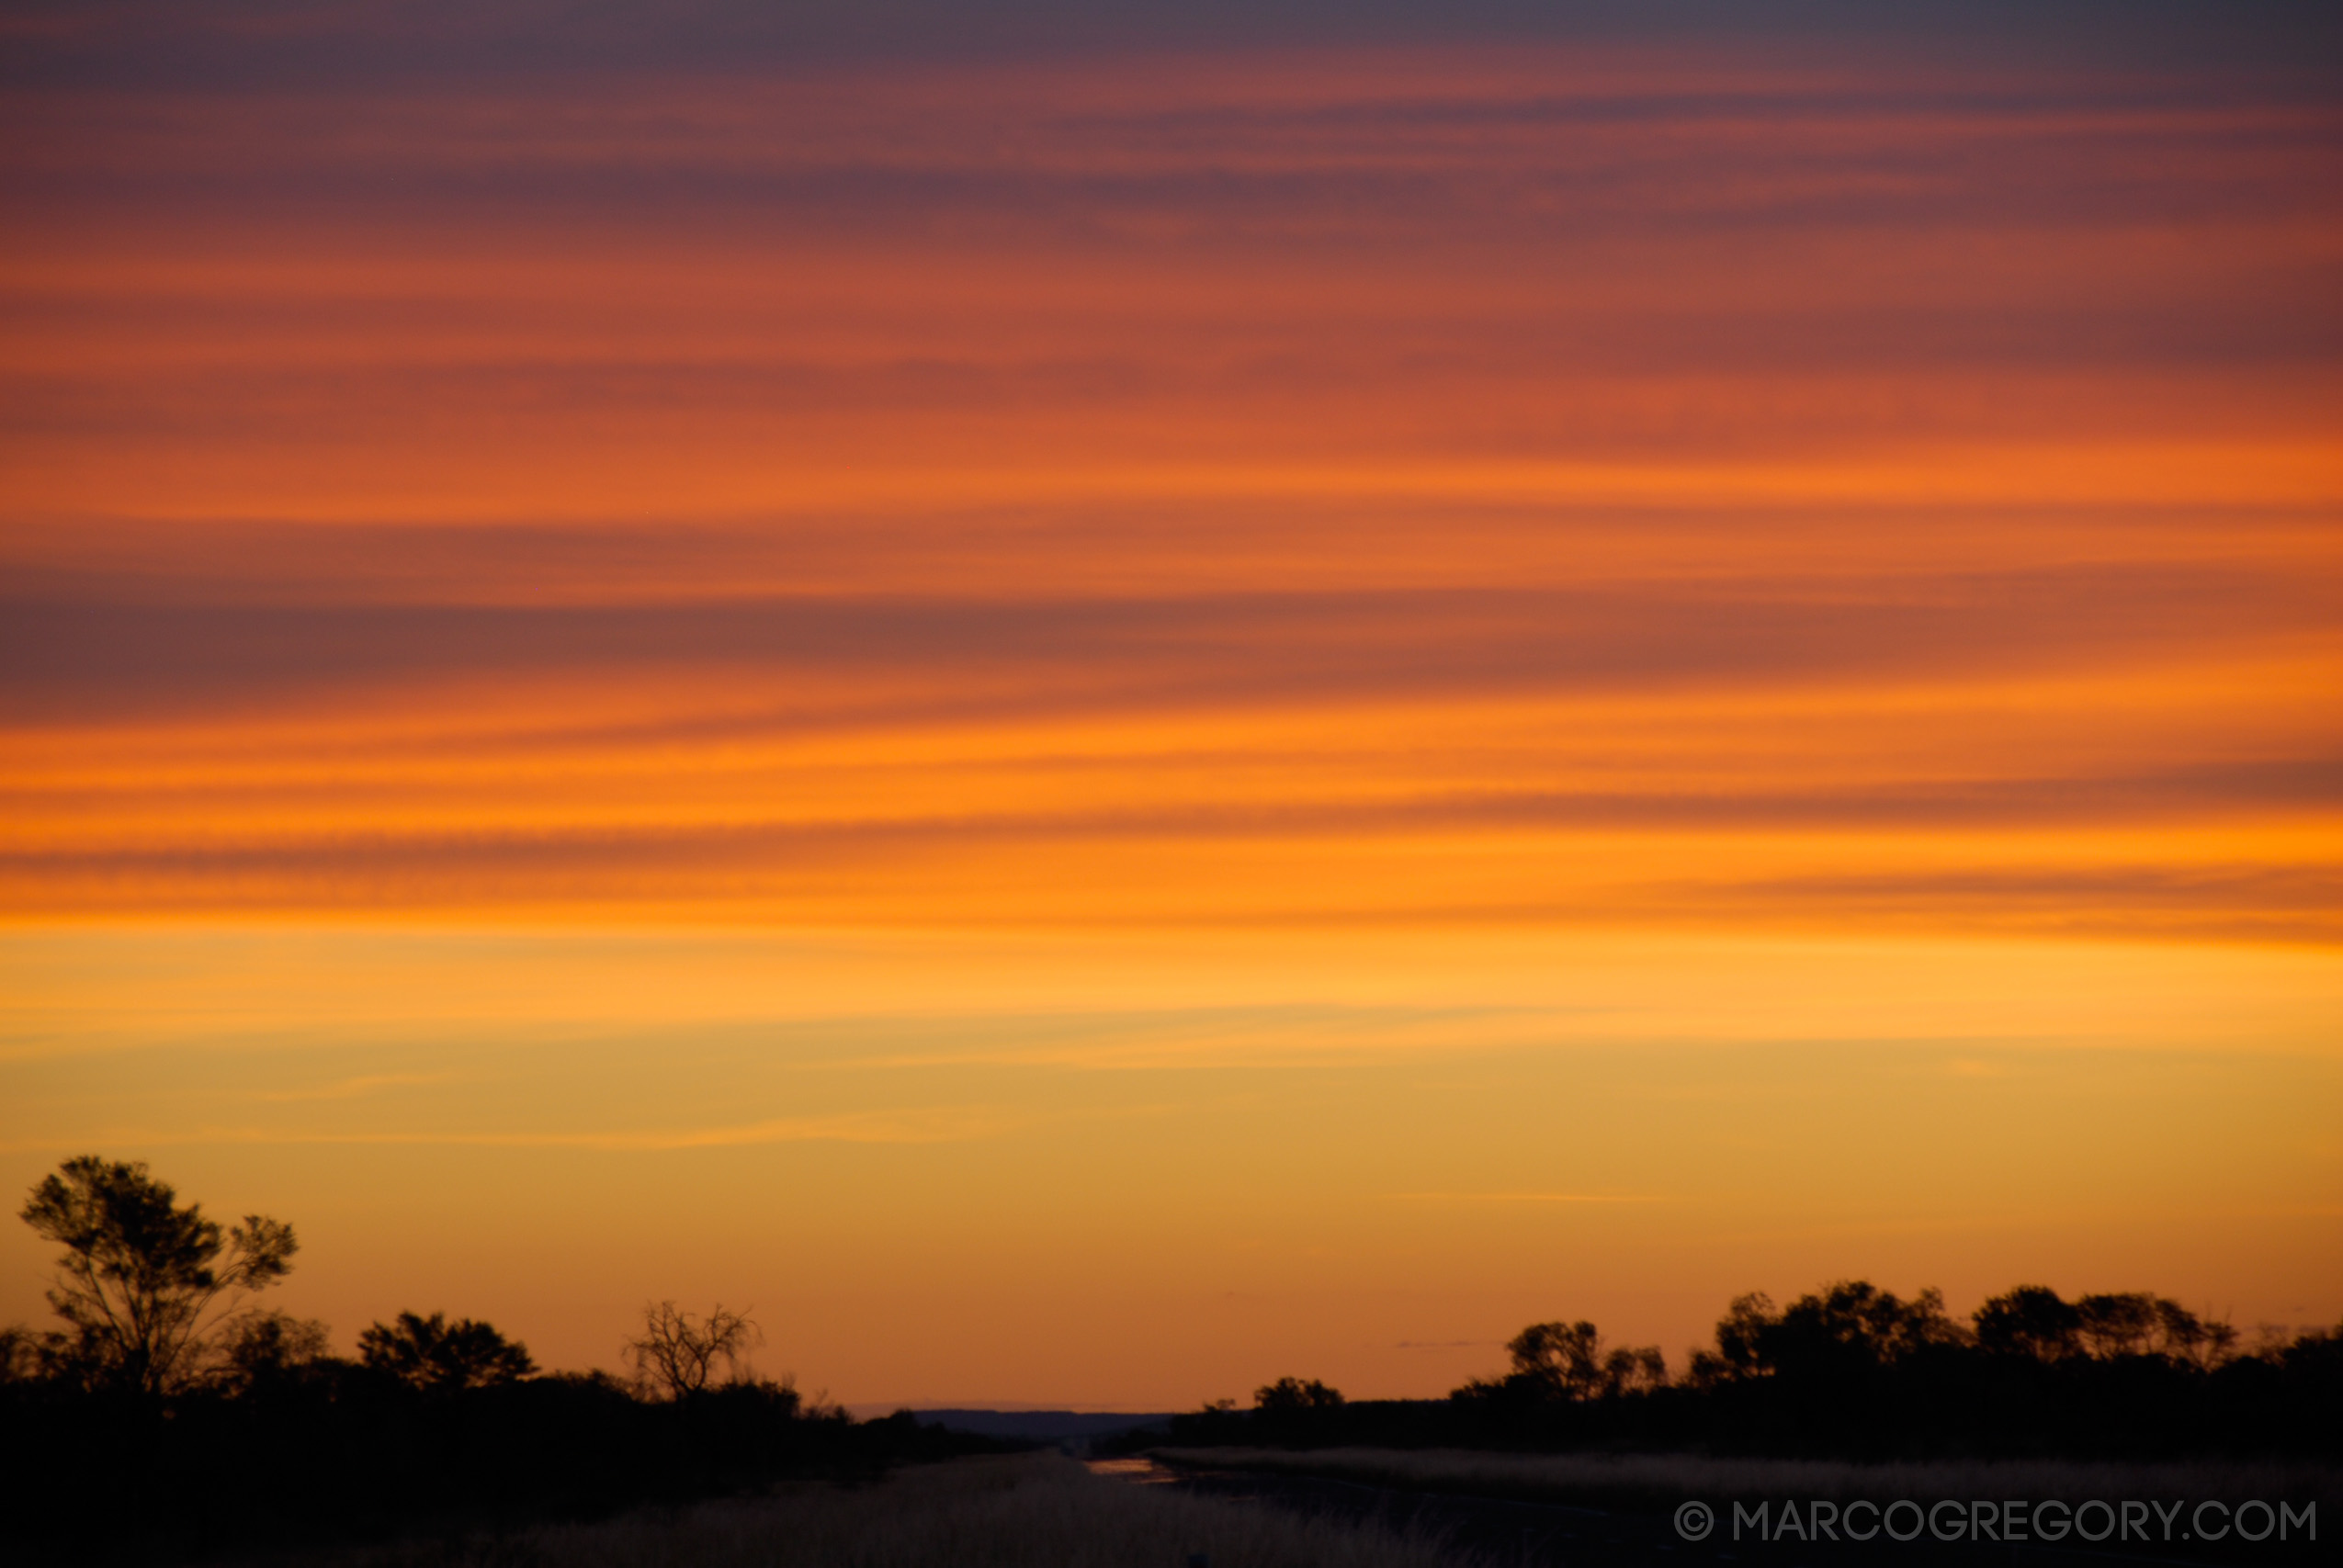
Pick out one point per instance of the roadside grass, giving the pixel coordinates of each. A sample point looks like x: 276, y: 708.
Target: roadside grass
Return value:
x: 1659, y: 1480
x: 1014, y: 1511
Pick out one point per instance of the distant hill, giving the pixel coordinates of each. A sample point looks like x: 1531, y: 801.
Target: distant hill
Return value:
x: 1042, y: 1426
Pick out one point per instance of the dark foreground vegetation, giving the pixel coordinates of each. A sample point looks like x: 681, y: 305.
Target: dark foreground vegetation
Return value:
x: 1853, y: 1371
x: 168, y: 1417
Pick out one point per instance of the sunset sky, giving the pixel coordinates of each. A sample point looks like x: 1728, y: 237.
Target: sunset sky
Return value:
x: 1102, y: 702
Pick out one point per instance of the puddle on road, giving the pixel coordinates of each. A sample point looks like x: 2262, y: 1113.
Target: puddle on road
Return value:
x: 1140, y: 1471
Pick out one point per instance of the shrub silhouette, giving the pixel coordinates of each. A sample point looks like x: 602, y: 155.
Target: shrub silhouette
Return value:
x: 434, y: 1356
x: 1294, y: 1396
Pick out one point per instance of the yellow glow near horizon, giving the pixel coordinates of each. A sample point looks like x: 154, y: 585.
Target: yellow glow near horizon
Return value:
x: 1359, y: 1156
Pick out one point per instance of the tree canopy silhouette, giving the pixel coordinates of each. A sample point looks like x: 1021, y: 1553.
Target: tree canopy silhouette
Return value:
x: 141, y: 1270
x: 438, y: 1356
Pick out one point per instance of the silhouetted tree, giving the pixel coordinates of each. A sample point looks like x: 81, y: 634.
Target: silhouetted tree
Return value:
x: 1567, y: 1361
x: 2135, y: 1323
x: 2202, y: 1343
x: 19, y: 1354
x: 677, y: 1354
x: 2032, y: 1320
x: 438, y: 1356
x: 1563, y: 1360
x: 2315, y: 1354
x: 1852, y: 1328
x: 2117, y: 1325
x: 140, y: 1271
x: 1640, y: 1370
x: 1740, y: 1333
x: 260, y: 1350
x: 1293, y: 1396
x: 1857, y: 1372
x: 1845, y: 1334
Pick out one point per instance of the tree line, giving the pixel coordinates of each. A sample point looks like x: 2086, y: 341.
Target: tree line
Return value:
x: 1852, y: 1370
x: 155, y: 1302
x: 168, y: 1411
